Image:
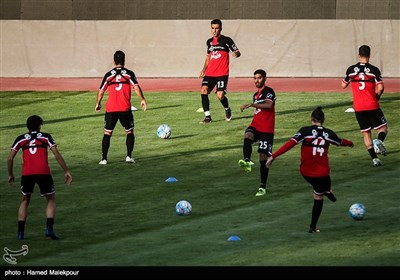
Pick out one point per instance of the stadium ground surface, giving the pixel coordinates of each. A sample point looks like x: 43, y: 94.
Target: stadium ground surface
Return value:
x: 185, y: 84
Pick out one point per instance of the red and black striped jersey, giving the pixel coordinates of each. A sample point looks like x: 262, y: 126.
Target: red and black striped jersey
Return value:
x: 363, y: 78
x: 315, y: 142
x: 119, y: 82
x: 34, y: 152
x: 218, y: 52
x: 264, y: 119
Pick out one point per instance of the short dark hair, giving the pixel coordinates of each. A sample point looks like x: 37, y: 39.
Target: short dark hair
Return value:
x: 34, y: 122
x: 119, y: 57
x: 364, y: 51
x: 261, y: 72
x: 217, y: 21
x: 318, y: 115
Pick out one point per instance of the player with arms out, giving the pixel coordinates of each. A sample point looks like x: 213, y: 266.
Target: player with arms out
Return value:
x: 215, y: 72
x: 261, y: 128
x: 314, y: 162
x: 119, y: 81
x: 367, y: 87
x: 36, y: 170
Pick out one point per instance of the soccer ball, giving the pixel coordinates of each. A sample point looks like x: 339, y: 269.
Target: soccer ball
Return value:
x: 164, y: 131
x: 183, y: 208
x: 375, y: 143
x: 357, y: 211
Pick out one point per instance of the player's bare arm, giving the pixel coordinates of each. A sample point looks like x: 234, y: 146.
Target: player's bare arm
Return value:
x: 344, y: 84
x: 203, y: 71
x: 379, y: 90
x: 10, y: 167
x: 61, y: 162
x: 100, y: 95
x: 139, y: 93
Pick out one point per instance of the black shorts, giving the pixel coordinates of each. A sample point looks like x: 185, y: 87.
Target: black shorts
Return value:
x: 371, y: 119
x: 320, y: 185
x: 125, y: 118
x: 265, y: 140
x: 221, y: 83
x: 45, y: 183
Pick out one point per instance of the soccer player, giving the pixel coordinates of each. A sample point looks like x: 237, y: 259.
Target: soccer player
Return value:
x: 36, y: 170
x: 215, y: 71
x: 367, y: 87
x: 119, y: 81
x: 261, y: 128
x: 314, y: 163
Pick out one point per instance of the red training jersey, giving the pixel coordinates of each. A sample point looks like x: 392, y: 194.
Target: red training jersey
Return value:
x: 218, y: 53
x: 119, y: 82
x: 34, y: 152
x: 363, y: 77
x: 315, y: 141
x: 264, y: 119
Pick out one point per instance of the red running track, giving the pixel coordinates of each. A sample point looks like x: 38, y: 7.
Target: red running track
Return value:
x: 186, y: 84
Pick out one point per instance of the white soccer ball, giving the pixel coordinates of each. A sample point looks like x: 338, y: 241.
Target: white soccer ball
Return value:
x: 164, y: 131
x: 357, y: 211
x: 183, y: 208
x: 375, y: 144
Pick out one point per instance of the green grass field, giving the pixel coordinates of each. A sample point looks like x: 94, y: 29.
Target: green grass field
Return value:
x: 124, y: 215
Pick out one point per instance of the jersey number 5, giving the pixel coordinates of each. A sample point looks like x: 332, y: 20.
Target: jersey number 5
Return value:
x: 118, y: 79
x: 362, y: 84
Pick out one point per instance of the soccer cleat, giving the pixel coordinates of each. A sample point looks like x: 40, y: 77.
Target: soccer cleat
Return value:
x: 50, y: 233
x: 20, y: 235
x: 207, y: 119
x: 129, y: 159
x: 103, y: 162
x: 376, y: 162
x: 313, y: 230
x: 261, y: 192
x: 228, y: 115
x: 381, y: 147
x: 246, y: 165
x: 331, y: 196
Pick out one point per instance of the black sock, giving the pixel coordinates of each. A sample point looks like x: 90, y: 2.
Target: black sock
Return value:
x: 331, y: 196
x: 263, y: 172
x: 50, y: 223
x: 372, y: 153
x: 105, y: 145
x: 316, y: 212
x: 130, y: 143
x: 247, y: 149
x: 21, y: 226
x: 205, y: 102
x: 382, y: 136
x: 225, y: 102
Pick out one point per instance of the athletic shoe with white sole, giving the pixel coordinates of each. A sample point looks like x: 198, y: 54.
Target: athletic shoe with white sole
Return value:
x: 129, y: 160
x: 376, y: 162
x: 103, y: 162
x: 228, y: 115
x: 261, y: 192
x: 381, y: 147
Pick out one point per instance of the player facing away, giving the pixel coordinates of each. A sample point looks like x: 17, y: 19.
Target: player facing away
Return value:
x: 215, y: 72
x: 36, y: 170
x: 119, y: 82
x: 261, y: 128
x: 367, y: 87
x: 314, y: 162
